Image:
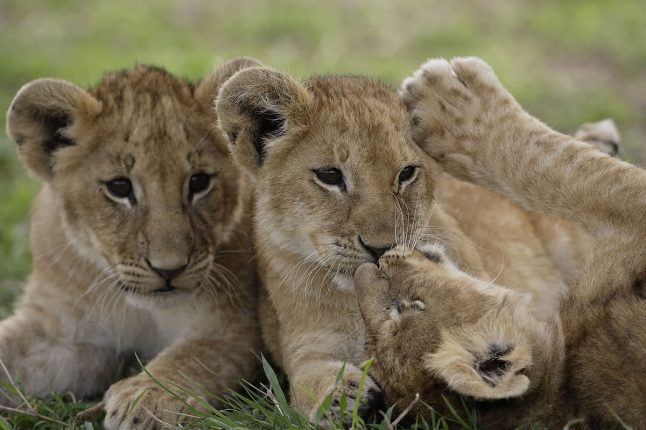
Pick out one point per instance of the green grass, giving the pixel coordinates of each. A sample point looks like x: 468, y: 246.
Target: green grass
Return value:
x: 567, y: 61
x: 258, y: 406
x: 262, y: 405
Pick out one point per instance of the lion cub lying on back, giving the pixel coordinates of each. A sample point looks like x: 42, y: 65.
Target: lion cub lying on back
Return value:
x: 435, y: 330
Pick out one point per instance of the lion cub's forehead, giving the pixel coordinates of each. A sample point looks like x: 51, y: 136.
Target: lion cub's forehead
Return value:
x: 153, y: 115
x: 360, y: 116
x: 118, y: 89
x: 147, y: 103
x: 355, y: 100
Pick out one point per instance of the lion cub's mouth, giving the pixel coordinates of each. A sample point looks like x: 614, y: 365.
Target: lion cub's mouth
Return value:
x: 168, y: 288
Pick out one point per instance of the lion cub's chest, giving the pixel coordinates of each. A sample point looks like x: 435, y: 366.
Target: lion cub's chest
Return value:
x: 144, y: 331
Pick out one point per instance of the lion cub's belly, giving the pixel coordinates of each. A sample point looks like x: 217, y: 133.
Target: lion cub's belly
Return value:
x: 513, y: 251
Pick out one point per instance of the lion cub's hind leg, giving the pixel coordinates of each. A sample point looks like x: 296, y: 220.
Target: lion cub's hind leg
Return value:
x: 465, y: 119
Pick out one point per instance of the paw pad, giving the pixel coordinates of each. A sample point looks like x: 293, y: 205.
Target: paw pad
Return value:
x: 493, y: 366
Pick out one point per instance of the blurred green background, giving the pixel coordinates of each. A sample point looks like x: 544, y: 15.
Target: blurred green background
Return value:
x: 567, y: 61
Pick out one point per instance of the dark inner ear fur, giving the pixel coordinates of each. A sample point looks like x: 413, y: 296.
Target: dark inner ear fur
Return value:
x: 255, y: 107
x: 269, y: 125
x: 53, y: 123
x: 40, y: 116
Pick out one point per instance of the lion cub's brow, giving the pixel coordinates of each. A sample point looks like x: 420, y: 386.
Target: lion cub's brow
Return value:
x: 355, y: 100
x: 361, y: 118
x: 155, y: 114
x: 116, y: 90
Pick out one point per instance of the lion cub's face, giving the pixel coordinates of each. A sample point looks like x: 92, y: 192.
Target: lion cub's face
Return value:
x: 339, y: 178
x: 476, y: 337
x: 427, y: 284
x: 144, y: 183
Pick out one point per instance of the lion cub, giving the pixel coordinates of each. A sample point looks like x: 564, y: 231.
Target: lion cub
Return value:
x: 139, y: 242
x: 435, y: 330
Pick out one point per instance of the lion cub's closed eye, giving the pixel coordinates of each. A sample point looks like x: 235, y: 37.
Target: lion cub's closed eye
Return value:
x: 404, y: 306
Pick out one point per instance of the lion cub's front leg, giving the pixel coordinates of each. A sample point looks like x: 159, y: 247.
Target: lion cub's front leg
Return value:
x: 185, y: 377
x: 464, y: 118
x: 34, y: 356
x: 314, y: 381
x: 141, y: 402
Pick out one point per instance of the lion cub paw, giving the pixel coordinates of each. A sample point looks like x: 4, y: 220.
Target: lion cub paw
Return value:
x: 370, y: 398
x: 603, y: 135
x: 494, y: 366
x: 456, y: 105
x: 492, y: 370
x: 139, y: 402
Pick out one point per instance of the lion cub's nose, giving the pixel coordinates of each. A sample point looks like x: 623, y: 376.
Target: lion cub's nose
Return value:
x: 167, y: 274
x: 375, y: 251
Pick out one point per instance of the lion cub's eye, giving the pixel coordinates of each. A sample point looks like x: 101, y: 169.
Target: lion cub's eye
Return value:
x: 120, y: 188
x: 330, y: 176
x: 407, y: 173
x: 199, y: 185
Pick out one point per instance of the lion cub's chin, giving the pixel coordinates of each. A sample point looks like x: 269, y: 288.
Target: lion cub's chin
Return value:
x: 176, y: 297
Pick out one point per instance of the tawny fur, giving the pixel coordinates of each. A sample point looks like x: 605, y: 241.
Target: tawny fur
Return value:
x: 588, y: 360
x: 465, y: 337
x: 93, y: 297
x: 312, y: 236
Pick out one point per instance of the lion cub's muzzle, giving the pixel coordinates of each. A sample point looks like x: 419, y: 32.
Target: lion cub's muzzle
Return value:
x: 168, y: 275
x: 145, y: 277
x: 375, y: 251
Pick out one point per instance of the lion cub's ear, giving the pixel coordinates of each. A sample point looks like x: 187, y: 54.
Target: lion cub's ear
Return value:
x: 41, y: 117
x: 602, y: 134
x: 208, y: 88
x: 257, y: 106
